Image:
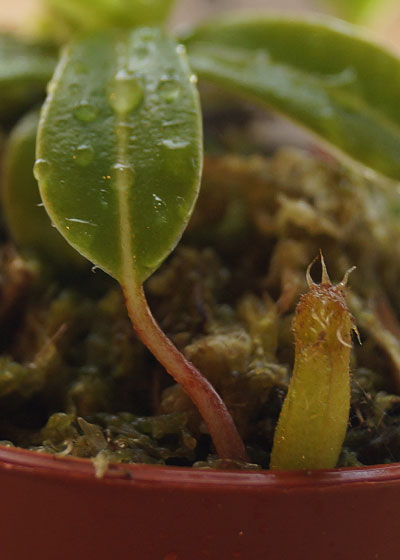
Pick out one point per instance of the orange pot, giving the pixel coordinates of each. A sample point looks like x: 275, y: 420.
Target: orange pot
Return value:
x: 55, y: 509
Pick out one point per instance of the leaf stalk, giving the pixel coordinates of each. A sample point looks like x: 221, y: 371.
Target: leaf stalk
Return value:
x: 227, y: 441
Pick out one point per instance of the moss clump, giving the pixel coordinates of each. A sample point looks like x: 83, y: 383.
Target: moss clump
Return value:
x: 75, y: 380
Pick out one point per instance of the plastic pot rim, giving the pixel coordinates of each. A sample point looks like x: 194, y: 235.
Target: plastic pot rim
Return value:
x: 56, y: 466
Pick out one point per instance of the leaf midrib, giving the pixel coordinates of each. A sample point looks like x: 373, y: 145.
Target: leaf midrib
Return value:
x: 122, y: 185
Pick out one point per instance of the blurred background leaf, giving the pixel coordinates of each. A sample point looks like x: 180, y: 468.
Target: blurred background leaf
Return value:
x: 356, y: 10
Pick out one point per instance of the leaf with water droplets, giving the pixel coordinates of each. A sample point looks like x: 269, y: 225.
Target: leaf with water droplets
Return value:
x: 321, y: 72
x: 24, y: 214
x: 110, y: 174
x: 25, y: 69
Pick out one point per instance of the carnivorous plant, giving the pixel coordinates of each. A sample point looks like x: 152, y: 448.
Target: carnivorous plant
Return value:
x: 119, y: 156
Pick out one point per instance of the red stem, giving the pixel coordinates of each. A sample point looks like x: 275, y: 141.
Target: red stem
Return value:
x: 226, y: 439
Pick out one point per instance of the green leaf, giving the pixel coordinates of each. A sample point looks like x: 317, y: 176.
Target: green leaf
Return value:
x: 321, y: 72
x: 120, y: 149
x: 25, y: 69
x: 25, y: 217
x: 98, y: 14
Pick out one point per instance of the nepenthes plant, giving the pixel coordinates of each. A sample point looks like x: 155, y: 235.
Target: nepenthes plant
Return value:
x: 119, y: 156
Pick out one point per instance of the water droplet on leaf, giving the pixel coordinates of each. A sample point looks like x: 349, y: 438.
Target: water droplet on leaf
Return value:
x: 84, y: 155
x: 181, y: 206
x: 158, y: 202
x: 169, y: 89
x: 41, y: 169
x: 125, y: 92
x: 168, y: 124
x: 159, y: 217
x: 85, y: 112
x: 174, y: 144
x: 124, y: 176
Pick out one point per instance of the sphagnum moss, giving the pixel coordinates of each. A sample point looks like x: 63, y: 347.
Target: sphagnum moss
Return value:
x: 119, y: 157
x: 220, y: 317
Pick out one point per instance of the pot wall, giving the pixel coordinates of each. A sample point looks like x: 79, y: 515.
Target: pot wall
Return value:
x: 57, y: 509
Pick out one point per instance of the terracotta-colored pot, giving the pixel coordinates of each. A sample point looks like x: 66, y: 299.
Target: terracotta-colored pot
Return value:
x: 54, y: 508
